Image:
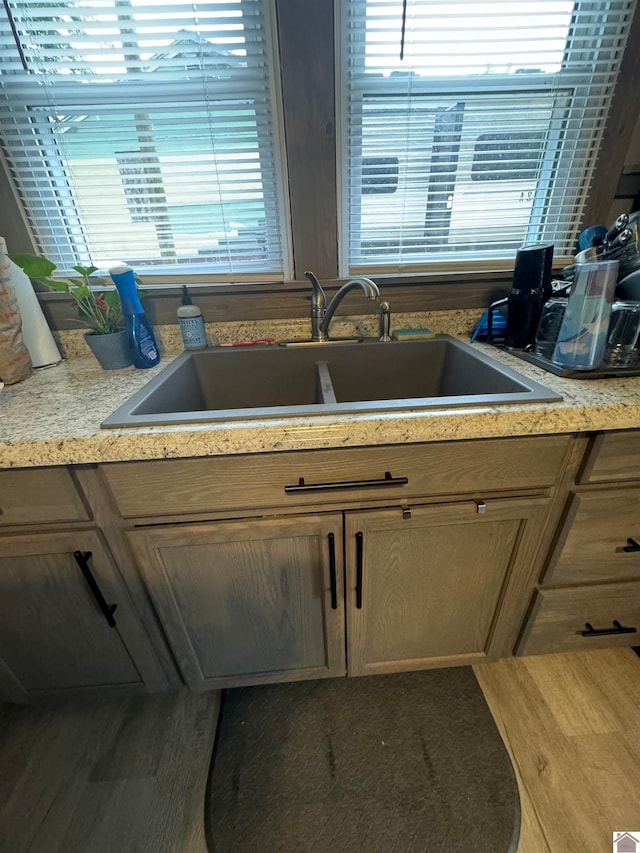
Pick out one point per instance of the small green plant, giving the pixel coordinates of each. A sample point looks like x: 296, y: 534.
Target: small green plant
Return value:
x: 101, y: 312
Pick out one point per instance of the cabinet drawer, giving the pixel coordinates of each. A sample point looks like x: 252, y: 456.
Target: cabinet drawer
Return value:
x: 614, y: 457
x: 594, y: 535
x: 306, y: 478
x: 38, y: 495
x: 559, y: 617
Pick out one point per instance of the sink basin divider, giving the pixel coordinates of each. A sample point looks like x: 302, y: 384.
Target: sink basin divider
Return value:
x: 326, y: 394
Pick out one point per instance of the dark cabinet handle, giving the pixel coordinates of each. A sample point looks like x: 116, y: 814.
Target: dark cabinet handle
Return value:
x: 344, y: 485
x: 631, y: 546
x: 603, y: 632
x: 82, y: 559
x: 359, y: 539
x: 332, y: 571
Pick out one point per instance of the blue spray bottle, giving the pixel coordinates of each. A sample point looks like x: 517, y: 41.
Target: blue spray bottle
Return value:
x: 142, y: 343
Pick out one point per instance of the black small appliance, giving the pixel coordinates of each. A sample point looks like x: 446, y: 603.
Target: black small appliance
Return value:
x: 530, y: 289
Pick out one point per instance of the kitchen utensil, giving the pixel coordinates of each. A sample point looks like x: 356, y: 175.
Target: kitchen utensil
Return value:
x: 623, y: 238
x: 619, y: 225
x: 623, y: 337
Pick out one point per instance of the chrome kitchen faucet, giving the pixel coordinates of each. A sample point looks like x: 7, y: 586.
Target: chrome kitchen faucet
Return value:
x: 322, y: 314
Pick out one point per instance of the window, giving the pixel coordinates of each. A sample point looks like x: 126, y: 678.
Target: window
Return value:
x: 493, y: 117
x: 143, y: 131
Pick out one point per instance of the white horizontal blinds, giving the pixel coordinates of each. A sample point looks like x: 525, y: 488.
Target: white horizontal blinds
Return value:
x: 483, y: 136
x: 144, y: 132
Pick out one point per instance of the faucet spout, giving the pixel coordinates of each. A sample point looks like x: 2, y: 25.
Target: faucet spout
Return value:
x: 368, y: 287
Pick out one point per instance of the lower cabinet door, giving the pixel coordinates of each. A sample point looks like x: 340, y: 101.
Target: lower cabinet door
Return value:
x: 439, y: 585
x: 245, y: 602
x: 59, y: 629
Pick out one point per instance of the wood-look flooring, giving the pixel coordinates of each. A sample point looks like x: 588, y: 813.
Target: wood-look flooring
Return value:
x: 571, y: 723
x: 129, y: 775
x: 106, y: 775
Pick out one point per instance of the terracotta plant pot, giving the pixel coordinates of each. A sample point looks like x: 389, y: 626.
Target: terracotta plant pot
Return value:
x: 112, y: 351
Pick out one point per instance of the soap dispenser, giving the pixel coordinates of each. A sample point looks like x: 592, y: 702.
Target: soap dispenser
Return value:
x: 194, y: 335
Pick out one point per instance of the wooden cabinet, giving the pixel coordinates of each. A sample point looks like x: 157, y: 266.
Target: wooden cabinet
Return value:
x: 235, y: 566
x: 305, y: 480
x: 582, y: 618
x: 594, y: 543
x: 425, y: 588
x: 248, y: 601
x: 589, y: 593
x: 614, y: 457
x: 67, y: 621
x: 39, y: 495
x: 53, y: 634
x: 262, y: 600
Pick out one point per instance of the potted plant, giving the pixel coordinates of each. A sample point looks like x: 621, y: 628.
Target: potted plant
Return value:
x: 100, y: 311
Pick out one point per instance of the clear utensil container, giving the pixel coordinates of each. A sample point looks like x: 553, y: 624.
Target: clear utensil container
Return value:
x: 623, y: 338
x: 583, y: 333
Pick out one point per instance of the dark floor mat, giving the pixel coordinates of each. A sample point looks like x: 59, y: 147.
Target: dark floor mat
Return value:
x: 407, y: 763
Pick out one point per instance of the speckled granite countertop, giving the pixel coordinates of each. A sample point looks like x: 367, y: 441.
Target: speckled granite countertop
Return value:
x: 54, y: 418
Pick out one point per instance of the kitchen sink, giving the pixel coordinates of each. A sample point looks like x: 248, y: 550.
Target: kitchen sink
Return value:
x: 224, y: 384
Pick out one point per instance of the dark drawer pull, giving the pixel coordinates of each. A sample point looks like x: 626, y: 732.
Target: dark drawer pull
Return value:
x: 603, y: 632
x: 631, y: 546
x: 82, y: 559
x: 343, y: 485
x: 359, y: 560
x: 332, y: 571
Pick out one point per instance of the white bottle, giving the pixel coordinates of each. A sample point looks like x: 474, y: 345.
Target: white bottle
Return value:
x: 192, y: 328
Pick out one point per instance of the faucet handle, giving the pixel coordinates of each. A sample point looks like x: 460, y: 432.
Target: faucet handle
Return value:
x: 385, y: 322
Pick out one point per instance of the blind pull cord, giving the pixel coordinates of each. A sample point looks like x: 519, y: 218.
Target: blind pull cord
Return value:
x: 403, y: 28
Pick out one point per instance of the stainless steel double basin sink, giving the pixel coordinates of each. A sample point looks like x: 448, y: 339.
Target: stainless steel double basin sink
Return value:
x: 225, y: 384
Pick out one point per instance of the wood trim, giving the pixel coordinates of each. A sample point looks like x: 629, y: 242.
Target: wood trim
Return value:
x: 14, y: 226
x: 618, y: 132
x: 517, y: 597
x: 306, y: 44
x: 555, y: 520
x: 237, y: 303
x: 570, y: 508
x: 584, y: 474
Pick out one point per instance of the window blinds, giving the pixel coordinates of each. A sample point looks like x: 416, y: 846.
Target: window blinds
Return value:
x: 482, y: 137
x: 143, y: 131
